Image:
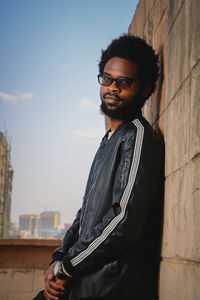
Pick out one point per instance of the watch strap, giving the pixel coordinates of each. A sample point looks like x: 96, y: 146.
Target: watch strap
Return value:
x: 65, y: 271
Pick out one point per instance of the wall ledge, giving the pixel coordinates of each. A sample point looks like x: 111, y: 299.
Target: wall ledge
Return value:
x: 30, y: 242
x: 27, y: 253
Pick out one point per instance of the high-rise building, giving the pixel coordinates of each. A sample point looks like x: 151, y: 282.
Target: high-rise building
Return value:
x: 29, y: 225
x: 45, y: 225
x: 49, y: 223
x: 6, y: 175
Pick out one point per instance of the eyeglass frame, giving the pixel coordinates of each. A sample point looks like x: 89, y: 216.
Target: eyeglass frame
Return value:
x: 117, y: 80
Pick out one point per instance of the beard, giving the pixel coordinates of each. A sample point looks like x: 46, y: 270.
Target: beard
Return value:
x: 126, y: 111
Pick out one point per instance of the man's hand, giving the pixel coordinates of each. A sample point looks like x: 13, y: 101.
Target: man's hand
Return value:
x: 53, y: 286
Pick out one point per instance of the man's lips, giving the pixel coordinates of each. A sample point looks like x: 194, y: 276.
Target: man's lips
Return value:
x: 111, y: 98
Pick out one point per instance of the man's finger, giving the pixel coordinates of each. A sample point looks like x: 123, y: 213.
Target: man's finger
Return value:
x: 50, y: 276
x: 49, y: 296
x: 53, y: 285
x: 53, y: 293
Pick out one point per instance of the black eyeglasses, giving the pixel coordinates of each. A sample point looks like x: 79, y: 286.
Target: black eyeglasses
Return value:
x: 121, y: 82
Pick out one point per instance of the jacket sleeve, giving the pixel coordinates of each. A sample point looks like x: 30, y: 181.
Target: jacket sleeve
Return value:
x: 69, y: 239
x: 135, y: 188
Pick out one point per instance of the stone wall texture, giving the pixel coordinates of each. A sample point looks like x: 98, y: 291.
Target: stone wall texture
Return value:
x: 172, y: 27
x: 23, y: 264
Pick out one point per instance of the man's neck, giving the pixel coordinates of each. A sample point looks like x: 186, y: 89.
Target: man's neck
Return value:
x: 115, y: 123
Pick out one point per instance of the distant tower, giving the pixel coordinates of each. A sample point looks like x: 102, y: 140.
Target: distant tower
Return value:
x: 6, y: 176
x: 28, y: 225
x: 49, y: 221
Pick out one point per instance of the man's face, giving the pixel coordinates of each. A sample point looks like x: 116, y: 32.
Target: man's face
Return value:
x: 116, y: 101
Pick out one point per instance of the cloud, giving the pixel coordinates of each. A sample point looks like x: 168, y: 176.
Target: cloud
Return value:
x: 15, y: 98
x: 85, y: 103
x: 90, y: 133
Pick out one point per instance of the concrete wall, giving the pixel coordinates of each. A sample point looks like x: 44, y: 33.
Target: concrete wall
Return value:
x: 173, y: 29
x: 23, y: 264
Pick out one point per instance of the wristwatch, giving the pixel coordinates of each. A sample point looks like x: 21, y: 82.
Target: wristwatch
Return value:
x: 60, y: 272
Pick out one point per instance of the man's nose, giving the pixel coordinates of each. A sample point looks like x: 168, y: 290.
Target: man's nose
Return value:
x: 113, y: 87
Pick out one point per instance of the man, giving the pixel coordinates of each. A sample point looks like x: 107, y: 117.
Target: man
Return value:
x: 110, y: 251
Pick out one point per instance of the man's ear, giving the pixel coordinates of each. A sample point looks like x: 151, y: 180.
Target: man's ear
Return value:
x: 146, y: 90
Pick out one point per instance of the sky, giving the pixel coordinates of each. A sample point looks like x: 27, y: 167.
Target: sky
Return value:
x: 49, y: 95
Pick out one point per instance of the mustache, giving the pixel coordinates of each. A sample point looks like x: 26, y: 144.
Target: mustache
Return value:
x: 112, y: 95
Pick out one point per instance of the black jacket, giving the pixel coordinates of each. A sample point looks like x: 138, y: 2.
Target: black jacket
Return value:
x: 110, y: 249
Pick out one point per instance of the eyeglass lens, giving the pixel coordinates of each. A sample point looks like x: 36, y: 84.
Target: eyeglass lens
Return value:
x: 106, y: 80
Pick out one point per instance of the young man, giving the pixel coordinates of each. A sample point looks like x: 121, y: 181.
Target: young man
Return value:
x: 110, y: 251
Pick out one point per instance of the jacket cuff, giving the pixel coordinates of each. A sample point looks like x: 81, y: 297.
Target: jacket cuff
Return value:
x: 57, y: 255
x: 68, y: 265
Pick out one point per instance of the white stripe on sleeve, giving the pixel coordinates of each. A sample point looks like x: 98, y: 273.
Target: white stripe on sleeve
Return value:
x: 124, y: 200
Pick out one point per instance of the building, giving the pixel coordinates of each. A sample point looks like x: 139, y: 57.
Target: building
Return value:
x: 45, y: 225
x: 49, y: 224
x: 14, y: 231
x: 6, y: 175
x: 173, y: 29
x: 61, y: 234
x: 29, y: 225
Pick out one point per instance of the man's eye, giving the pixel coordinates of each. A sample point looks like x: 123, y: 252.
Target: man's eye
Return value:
x: 106, y: 78
x: 124, y: 81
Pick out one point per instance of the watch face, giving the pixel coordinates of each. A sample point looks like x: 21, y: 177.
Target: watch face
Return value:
x: 56, y: 269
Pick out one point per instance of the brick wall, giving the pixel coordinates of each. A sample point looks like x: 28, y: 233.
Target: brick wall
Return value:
x: 173, y: 29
